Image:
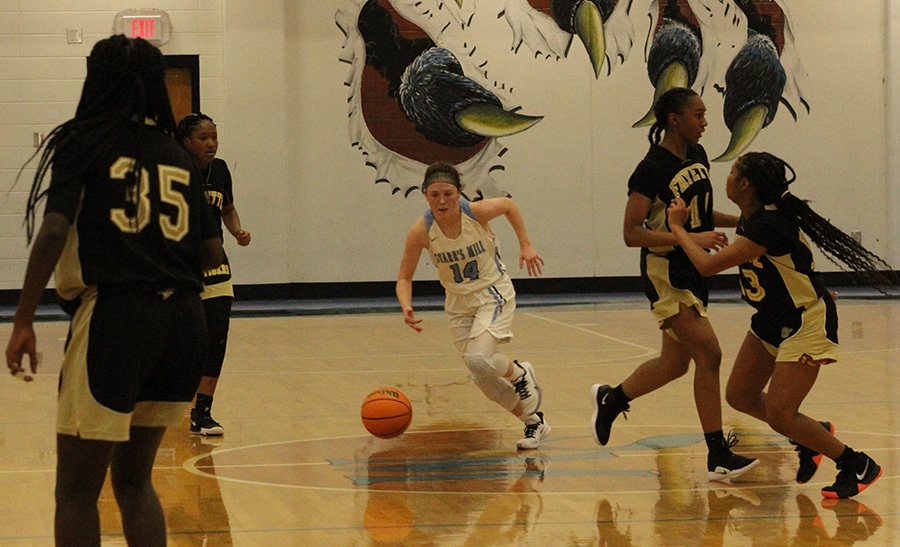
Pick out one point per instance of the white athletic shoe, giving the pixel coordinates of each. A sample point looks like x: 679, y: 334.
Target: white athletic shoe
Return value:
x: 527, y: 389
x: 535, y: 432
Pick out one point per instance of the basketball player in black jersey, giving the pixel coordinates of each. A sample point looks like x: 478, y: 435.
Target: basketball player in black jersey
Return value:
x: 201, y: 138
x: 794, y: 330
x: 128, y: 231
x: 676, y: 165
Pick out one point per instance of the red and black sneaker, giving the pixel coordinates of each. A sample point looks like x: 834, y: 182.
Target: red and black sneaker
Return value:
x: 853, y: 478
x: 809, y: 458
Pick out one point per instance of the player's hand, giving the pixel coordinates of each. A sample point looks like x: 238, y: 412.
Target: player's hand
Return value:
x: 712, y: 241
x: 21, y: 342
x: 677, y: 212
x: 243, y: 238
x: 411, y: 320
x: 529, y: 257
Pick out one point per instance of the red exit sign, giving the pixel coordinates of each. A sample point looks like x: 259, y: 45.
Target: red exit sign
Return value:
x: 143, y: 28
x: 150, y: 24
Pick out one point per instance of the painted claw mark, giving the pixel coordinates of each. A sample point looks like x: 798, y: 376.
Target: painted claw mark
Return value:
x: 589, y: 28
x: 673, y: 59
x: 754, y: 83
x: 434, y: 93
x: 744, y: 131
x: 491, y: 121
x: 585, y: 19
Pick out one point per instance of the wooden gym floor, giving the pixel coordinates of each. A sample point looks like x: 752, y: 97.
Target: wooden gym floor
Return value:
x: 296, y: 467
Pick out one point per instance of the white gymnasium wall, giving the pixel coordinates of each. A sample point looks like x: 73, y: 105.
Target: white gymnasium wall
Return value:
x: 569, y: 172
x: 41, y: 77
x: 272, y: 79
x: 255, y: 144
x: 893, y: 119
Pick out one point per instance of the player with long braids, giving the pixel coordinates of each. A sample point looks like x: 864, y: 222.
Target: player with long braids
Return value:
x: 675, y: 165
x: 128, y: 231
x: 793, y: 332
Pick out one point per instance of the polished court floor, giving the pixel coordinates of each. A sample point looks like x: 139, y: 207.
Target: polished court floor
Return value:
x: 297, y: 468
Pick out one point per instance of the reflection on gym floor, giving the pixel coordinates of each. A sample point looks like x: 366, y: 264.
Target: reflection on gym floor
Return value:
x: 297, y: 468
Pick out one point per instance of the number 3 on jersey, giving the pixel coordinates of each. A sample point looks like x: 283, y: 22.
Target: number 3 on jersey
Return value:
x: 469, y: 271
x: 173, y: 228
x: 751, y: 288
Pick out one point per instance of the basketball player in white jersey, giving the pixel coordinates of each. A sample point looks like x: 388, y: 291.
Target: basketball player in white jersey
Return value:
x: 480, y: 295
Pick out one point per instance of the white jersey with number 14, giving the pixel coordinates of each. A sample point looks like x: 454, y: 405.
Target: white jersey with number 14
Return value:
x: 470, y: 262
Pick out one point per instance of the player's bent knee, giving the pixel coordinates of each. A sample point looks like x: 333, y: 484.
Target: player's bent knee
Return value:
x: 479, y: 365
x: 498, y: 390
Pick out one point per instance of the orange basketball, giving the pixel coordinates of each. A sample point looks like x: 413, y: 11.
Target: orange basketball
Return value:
x: 386, y: 412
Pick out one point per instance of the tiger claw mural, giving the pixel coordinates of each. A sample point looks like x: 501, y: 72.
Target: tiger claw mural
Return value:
x: 602, y: 26
x: 420, y: 92
x: 674, y: 57
x: 734, y: 48
x: 754, y: 84
x: 445, y: 105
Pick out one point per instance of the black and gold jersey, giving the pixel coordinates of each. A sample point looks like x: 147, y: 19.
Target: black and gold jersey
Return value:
x: 218, y: 190
x: 783, y: 280
x: 130, y: 232
x: 663, y: 176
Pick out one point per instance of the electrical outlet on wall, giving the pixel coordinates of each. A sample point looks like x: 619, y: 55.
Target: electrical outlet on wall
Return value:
x: 74, y: 36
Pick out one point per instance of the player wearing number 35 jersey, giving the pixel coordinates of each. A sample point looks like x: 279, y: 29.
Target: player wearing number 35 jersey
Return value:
x: 480, y: 298
x: 128, y: 231
x: 121, y: 245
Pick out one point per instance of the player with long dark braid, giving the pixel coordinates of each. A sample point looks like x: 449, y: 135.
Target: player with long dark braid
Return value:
x: 675, y: 165
x: 127, y: 230
x: 770, y: 175
x: 116, y: 92
x: 794, y: 330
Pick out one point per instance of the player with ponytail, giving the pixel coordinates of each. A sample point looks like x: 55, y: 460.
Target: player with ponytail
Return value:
x: 793, y: 332
x: 675, y: 165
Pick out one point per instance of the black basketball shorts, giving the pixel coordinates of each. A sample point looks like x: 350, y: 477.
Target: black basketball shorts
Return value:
x: 133, y: 359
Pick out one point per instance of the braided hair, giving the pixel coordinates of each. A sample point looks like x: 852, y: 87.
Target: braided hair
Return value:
x: 769, y: 176
x: 672, y: 101
x: 192, y: 121
x: 125, y: 81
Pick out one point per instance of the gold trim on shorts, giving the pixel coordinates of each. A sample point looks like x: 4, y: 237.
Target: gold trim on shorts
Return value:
x: 810, y: 344
x: 670, y: 298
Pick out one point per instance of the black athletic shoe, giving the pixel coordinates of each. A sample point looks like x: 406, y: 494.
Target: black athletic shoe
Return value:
x: 203, y: 424
x: 853, y: 478
x: 605, y: 412
x: 809, y: 458
x: 723, y: 465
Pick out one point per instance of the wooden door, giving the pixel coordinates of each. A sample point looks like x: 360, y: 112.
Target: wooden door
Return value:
x: 183, y: 83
